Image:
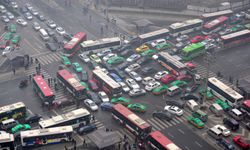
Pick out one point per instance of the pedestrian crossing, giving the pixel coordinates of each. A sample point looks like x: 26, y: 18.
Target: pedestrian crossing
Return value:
x: 49, y: 58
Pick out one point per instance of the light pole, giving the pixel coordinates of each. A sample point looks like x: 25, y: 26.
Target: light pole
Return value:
x: 209, y: 58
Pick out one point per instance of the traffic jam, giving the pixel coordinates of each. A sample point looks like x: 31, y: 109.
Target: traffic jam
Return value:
x: 109, y: 75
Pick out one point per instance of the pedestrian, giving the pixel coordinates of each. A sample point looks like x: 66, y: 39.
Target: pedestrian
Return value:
x: 55, y: 80
x: 30, y: 77
x: 31, y: 60
x: 36, y: 60
x: 107, y: 129
x: 65, y: 147
x: 237, y: 83
x: 101, y: 30
x: 74, y: 147
x: 90, y: 18
x: 119, y: 145
x: 136, y: 139
x: 84, y: 142
x: 124, y: 137
x: 129, y: 147
x: 14, y: 71
x: 93, y: 118
x: 49, y: 80
x: 39, y: 66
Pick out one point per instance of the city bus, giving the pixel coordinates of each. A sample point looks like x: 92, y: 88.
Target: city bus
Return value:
x: 158, y: 141
x: 150, y: 36
x: 73, y: 45
x: 68, y: 81
x: 236, y: 38
x: 42, y: 89
x: 7, y: 141
x: 131, y: 121
x: 185, y: 27
x: 171, y: 63
x: 40, y: 137
x: 100, y: 44
x: 247, y: 26
x: 15, y: 111
x: 223, y: 91
x: 72, y: 118
x: 214, y: 25
x: 108, y: 85
x: 193, y: 50
x: 210, y: 16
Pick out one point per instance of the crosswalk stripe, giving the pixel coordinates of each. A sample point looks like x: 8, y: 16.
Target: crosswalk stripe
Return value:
x: 168, y: 123
x: 50, y: 57
x: 157, y: 128
x: 172, y: 122
x: 160, y: 121
x: 180, y: 119
x: 57, y: 56
x: 123, y: 132
x: 41, y: 60
x: 47, y: 59
x: 175, y: 120
x: 157, y: 122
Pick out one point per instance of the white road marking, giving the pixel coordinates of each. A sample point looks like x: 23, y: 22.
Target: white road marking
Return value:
x: 181, y: 131
x: 197, y: 143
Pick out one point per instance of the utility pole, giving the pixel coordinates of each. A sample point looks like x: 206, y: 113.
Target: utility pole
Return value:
x: 209, y: 58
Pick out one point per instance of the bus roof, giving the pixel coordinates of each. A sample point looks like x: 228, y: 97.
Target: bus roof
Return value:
x: 48, y: 131
x: 192, y: 46
x: 185, y: 23
x: 218, y: 13
x: 163, y: 140
x: 173, y: 60
x: 11, y: 107
x: 235, y: 34
x: 108, y: 80
x: 67, y: 76
x: 43, y: 85
x: 154, y: 33
x: 131, y: 116
x: 74, y: 41
x: 64, y: 117
x: 100, y: 42
x: 6, y: 137
x: 225, y: 88
x: 216, y: 21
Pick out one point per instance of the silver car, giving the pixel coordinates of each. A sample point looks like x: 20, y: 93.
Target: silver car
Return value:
x: 90, y: 104
x: 137, y: 92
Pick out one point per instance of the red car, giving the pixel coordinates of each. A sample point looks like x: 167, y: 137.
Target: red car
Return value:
x: 168, y: 78
x: 93, y: 85
x: 238, y: 140
x: 4, y: 44
x: 184, y: 77
x: 197, y: 39
x: 190, y: 65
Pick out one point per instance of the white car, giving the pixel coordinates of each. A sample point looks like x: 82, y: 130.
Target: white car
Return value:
x: 21, y: 22
x: 135, y: 76
x: 159, y: 41
x: 90, y: 104
x: 132, y: 67
x: 125, y: 88
x: 28, y: 16
x: 60, y: 30
x: 7, y: 50
x: 155, y: 57
x: 103, y: 96
x: 137, y: 92
x: 160, y: 74
x: 223, y: 129
x: 36, y: 26
x: 151, y: 85
x: 133, y: 57
x: 14, y: 5
x: 146, y: 80
x: 51, y: 24
x: 182, y: 38
x: 84, y: 57
x: 10, y: 15
x: 174, y: 110
x: 104, y: 52
x: 108, y: 56
x: 131, y: 83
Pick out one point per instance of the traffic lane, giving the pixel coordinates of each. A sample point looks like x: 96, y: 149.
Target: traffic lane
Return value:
x: 186, y: 138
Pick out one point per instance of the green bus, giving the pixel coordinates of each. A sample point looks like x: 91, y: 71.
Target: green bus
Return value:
x: 193, y: 50
x: 247, y: 26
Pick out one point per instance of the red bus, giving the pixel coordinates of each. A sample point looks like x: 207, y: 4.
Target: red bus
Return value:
x: 236, y: 38
x: 158, y: 141
x: 73, y: 45
x: 67, y: 80
x: 214, y: 25
x: 131, y: 121
x: 43, y: 90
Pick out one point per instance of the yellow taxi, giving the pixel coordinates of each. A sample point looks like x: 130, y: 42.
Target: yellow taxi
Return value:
x: 142, y: 48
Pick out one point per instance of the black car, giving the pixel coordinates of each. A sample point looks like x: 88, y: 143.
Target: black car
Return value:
x: 225, y: 144
x: 143, y: 60
x: 59, y: 39
x: 123, y: 65
x: 93, y: 96
x: 148, y: 70
x: 23, y: 9
x: 33, y: 118
x: 41, y: 17
x: 177, y: 103
x: 51, y: 46
x: 231, y: 123
x: 68, y: 36
x: 189, y: 96
x: 50, y: 31
x: 84, y: 75
x: 86, y: 129
x: 127, y: 52
x: 162, y: 115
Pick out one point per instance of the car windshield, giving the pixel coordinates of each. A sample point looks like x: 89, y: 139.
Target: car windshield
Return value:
x: 91, y: 104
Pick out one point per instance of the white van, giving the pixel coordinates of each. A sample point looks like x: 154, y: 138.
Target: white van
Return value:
x: 44, y: 35
x: 236, y: 114
x: 173, y: 90
x: 8, y: 124
x: 215, y: 133
x: 216, y: 109
x: 146, y: 80
x: 193, y: 105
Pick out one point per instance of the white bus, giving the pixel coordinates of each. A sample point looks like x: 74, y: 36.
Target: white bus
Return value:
x: 7, y: 141
x: 150, y: 36
x: 39, y: 137
x: 15, y: 111
x: 223, y: 91
x: 213, y: 15
x: 101, y: 43
x: 73, y: 118
x: 185, y: 27
x: 107, y: 84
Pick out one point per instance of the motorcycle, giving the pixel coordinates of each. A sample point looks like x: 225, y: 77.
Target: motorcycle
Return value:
x: 23, y: 83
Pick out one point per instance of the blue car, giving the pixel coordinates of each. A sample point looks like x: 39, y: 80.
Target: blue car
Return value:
x: 115, y: 77
x: 225, y: 144
x: 106, y: 106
